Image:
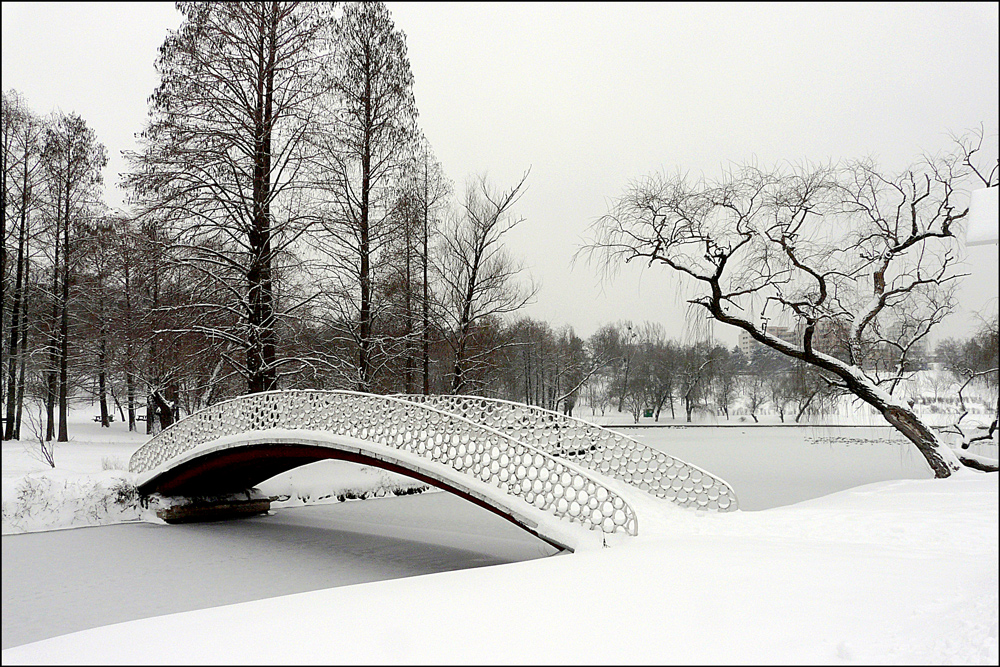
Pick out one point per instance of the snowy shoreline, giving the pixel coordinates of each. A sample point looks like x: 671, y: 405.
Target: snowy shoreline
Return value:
x: 854, y: 577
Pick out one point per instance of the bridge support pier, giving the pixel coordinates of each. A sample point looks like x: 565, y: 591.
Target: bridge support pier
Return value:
x: 195, y: 510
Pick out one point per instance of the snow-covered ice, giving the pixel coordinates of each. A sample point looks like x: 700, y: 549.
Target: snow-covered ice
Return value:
x: 62, y: 581
x: 895, y: 571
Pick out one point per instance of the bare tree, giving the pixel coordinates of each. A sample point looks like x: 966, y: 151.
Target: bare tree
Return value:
x: 613, y: 343
x: 696, y: 372
x: 665, y: 359
x: 431, y: 187
x: 478, y: 275
x: 97, y: 297
x: 364, y: 154
x: 724, y: 374
x: 224, y: 161
x: 127, y: 324
x: 816, y: 246
x: 780, y: 393
x: 22, y: 132
x: 72, y: 159
x: 753, y: 388
x: 975, y: 362
x: 420, y: 198
x: 46, y: 447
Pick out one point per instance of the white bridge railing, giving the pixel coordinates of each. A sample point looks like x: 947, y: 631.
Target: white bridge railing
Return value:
x: 499, y: 458
x: 593, y: 447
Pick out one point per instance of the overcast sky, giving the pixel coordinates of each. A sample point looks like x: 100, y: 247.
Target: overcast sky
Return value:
x: 590, y: 96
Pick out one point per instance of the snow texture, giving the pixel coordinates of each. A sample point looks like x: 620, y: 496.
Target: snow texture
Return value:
x: 897, y: 571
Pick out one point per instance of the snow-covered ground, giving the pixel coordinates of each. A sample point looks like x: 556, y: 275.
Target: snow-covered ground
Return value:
x: 895, y: 571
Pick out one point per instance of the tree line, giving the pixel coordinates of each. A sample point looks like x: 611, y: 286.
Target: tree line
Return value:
x: 288, y: 226
x: 54, y: 224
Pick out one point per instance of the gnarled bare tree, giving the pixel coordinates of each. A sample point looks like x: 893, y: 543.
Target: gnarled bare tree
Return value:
x: 847, y: 249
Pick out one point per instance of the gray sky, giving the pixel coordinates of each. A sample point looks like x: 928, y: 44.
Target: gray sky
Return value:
x: 590, y: 96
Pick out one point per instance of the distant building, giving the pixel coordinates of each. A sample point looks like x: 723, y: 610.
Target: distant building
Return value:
x: 791, y: 335
x: 984, y: 218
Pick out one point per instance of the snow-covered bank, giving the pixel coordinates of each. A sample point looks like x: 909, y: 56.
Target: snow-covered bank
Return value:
x: 91, y: 485
x: 56, y: 500
x: 895, y: 572
x: 900, y: 570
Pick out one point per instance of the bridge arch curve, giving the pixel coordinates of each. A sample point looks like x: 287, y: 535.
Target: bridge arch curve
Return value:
x: 234, y: 443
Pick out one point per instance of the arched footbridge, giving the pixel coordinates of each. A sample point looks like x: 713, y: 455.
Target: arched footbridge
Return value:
x: 559, y: 478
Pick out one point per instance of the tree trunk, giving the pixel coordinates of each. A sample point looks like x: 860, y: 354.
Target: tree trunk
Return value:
x: 364, y: 233
x: 3, y: 277
x: 102, y: 383
x: 23, y: 353
x: 130, y: 397
x: 426, y: 303
x: 162, y: 408
x: 940, y: 458
x: 262, y: 375
x: 129, y: 374
x: 15, y: 322
x: 408, y: 339
x: 426, y: 333
x: 150, y: 415
x: 51, y: 388
x: 64, y: 332
x: 458, y: 383
x: 907, y: 423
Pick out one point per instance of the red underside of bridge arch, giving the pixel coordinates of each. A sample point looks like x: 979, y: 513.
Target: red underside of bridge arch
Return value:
x: 238, y: 469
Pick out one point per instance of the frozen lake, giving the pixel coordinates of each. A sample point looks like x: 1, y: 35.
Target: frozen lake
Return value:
x: 64, y: 581
x: 770, y: 466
